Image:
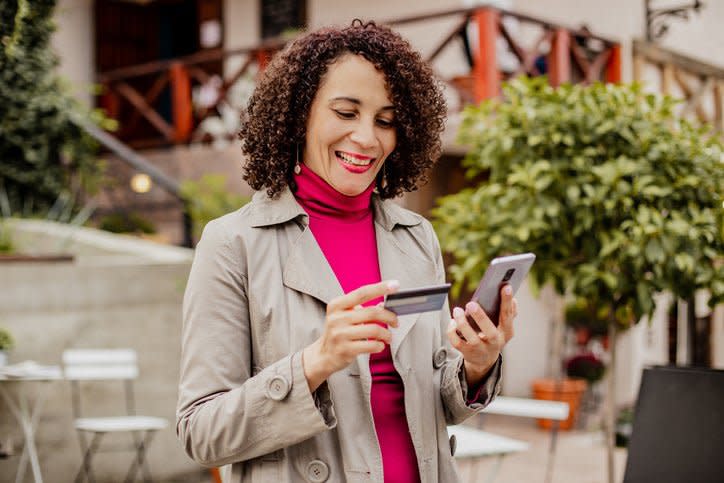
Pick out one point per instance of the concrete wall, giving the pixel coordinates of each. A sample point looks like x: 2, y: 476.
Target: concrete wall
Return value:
x: 118, y: 292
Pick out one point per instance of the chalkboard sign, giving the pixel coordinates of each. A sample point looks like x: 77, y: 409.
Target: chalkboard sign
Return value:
x: 678, y: 430
x: 280, y: 15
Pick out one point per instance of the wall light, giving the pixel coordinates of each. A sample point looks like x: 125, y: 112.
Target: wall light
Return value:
x: 141, y: 183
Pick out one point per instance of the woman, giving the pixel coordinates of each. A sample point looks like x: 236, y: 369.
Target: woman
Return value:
x: 291, y: 369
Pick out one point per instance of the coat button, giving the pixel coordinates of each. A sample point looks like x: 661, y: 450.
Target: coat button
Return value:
x: 317, y: 471
x: 277, y: 388
x: 453, y: 444
x: 439, y: 358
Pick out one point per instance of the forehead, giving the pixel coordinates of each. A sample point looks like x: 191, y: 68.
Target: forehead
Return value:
x: 354, y: 76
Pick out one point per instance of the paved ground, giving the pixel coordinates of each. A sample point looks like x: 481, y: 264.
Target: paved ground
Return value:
x: 580, y: 455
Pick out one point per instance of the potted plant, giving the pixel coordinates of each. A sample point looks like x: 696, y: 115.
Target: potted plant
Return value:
x: 618, y: 198
x: 6, y: 343
x: 587, y: 320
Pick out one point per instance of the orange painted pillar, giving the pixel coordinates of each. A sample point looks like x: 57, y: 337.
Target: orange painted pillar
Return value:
x: 181, y: 102
x: 613, y: 67
x: 485, y: 68
x: 559, y: 58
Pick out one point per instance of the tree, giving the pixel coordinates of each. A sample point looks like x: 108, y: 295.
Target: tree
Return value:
x: 618, y: 198
x: 43, y: 153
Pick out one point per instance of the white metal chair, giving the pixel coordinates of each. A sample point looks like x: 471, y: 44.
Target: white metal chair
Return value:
x: 82, y: 365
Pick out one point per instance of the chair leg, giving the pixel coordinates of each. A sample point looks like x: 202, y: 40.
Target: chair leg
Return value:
x: 139, y: 461
x: 85, y: 467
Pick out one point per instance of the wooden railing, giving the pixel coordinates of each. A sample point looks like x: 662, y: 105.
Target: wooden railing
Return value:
x: 564, y: 54
x: 700, y: 85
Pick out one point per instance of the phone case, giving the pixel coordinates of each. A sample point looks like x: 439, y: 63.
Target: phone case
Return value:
x: 510, y: 270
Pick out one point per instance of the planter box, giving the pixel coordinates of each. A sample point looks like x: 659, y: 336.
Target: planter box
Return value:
x: 567, y: 390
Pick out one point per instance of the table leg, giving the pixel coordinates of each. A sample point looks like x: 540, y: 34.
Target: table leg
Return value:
x: 27, y: 417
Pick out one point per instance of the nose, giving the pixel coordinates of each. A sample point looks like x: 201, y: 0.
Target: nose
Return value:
x: 363, y: 135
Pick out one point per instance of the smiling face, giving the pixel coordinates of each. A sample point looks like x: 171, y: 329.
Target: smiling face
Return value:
x: 350, y: 129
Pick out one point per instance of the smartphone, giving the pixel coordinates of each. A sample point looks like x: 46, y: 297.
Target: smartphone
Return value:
x: 416, y: 300
x: 510, y: 270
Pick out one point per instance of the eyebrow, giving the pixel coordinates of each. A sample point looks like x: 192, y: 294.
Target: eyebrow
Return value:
x: 358, y: 102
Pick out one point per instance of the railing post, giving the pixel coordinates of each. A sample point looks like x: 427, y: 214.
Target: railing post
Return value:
x: 613, y: 67
x: 263, y: 56
x: 109, y: 101
x: 559, y: 58
x: 485, y: 68
x: 181, y: 102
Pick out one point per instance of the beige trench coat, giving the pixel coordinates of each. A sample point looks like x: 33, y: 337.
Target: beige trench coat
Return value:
x: 256, y: 296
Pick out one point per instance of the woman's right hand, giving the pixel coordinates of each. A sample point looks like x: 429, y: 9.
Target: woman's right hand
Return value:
x: 349, y: 330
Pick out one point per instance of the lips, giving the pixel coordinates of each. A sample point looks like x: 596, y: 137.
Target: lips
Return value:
x: 353, y: 162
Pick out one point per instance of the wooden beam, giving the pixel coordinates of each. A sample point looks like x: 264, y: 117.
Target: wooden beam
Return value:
x: 660, y: 55
x: 147, y: 111
x: 485, y: 69
x: 459, y: 27
x: 559, y: 59
x: 150, y: 97
x: 667, y: 78
x: 639, y: 66
x: 719, y: 106
x: 693, y: 95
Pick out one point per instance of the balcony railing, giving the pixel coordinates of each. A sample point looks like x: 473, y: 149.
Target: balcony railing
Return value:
x: 700, y: 85
x: 565, y: 54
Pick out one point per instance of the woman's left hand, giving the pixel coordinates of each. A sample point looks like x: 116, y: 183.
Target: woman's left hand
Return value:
x: 481, y: 346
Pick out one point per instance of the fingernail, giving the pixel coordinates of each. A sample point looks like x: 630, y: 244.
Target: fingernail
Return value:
x: 458, y: 312
x: 507, y: 290
x: 393, y: 284
x: 470, y: 306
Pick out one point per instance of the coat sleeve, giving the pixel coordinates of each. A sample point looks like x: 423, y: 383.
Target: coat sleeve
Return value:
x: 225, y: 413
x: 459, y: 405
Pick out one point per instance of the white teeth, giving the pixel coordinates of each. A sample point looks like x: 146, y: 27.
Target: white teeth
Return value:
x: 351, y: 160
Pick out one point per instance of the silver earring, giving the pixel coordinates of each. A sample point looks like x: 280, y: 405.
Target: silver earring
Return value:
x: 297, y: 168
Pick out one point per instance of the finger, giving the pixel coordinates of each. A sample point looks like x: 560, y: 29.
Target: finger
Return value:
x: 363, y: 294
x: 366, y: 315
x: 452, y: 335
x: 364, y: 332
x: 507, y: 322
x: 366, y: 346
x: 506, y: 301
x: 470, y: 334
x: 485, y: 325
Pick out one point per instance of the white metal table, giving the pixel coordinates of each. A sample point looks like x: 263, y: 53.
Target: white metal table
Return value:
x: 26, y: 402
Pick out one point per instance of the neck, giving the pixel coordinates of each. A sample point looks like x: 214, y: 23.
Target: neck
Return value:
x: 320, y: 199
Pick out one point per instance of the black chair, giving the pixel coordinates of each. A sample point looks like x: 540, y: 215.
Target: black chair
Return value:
x: 678, y: 428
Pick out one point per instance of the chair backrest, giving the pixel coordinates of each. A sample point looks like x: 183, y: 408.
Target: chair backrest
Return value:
x: 100, y: 365
x: 678, y: 428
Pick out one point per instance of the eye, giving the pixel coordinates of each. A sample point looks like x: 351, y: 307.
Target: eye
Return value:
x: 345, y: 114
x: 385, y: 123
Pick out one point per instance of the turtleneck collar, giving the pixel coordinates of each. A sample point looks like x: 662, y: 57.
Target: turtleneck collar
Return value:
x: 320, y: 200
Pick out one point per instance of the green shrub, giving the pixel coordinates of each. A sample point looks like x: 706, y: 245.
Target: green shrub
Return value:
x: 126, y: 223
x: 208, y: 198
x: 617, y: 197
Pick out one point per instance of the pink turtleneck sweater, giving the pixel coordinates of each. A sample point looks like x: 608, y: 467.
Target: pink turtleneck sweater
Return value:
x: 344, y: 229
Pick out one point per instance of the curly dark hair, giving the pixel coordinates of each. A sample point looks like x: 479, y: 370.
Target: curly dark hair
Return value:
x: 275, y: 122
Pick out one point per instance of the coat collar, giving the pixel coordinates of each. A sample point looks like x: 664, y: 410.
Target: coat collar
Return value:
x: 267, y: 211
x: 307, y: 270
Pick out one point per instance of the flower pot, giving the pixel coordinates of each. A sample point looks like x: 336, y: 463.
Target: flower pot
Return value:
x: 567, y: 390
x: 3, y: 358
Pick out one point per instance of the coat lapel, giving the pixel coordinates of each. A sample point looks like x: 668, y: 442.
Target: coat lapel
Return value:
x: 307, y: 270
x: 396, y: 264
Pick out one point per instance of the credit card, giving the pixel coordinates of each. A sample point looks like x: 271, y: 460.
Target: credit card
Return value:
x: 417, y: 300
